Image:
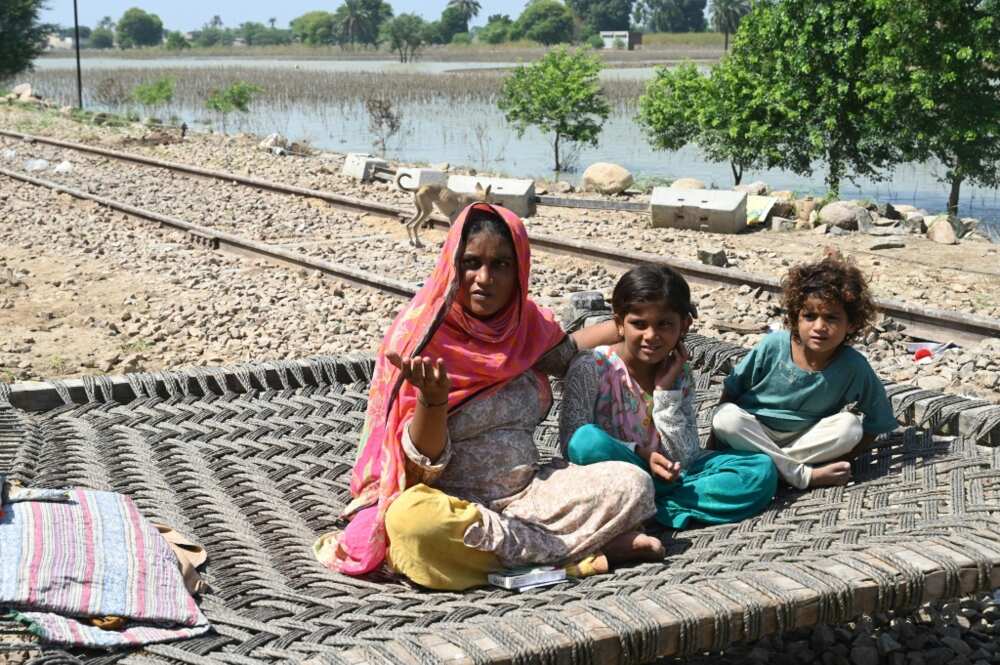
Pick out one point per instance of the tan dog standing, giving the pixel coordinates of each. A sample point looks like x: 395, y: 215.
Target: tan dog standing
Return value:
x: 448, y: 202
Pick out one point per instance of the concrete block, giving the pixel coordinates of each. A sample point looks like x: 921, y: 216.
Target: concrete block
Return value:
x: 421, y: 177
x: 360, y: 166
x: 715, y: 210
x: 516, y: 195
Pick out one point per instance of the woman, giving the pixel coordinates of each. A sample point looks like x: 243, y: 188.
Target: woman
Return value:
x: 448, y: 485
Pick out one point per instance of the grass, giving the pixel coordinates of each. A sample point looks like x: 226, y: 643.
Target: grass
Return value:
x: 136, y: 346
x: 60, y: 365
x: 646, y: 183
x: 7, y: 375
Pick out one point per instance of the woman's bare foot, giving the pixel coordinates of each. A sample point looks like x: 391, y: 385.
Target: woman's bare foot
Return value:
x: 830, y: 475
x: 634, y: 546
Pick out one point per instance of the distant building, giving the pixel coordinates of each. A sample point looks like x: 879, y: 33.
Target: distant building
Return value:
x: 622, y: 39
x: 57, y: 42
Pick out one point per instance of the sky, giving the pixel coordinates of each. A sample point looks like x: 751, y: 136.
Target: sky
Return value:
x: 189, y: 15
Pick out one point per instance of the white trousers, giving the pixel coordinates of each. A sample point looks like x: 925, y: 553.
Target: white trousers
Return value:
x: 793, y: 453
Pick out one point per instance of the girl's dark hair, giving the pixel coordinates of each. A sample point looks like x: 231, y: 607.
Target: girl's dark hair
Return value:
x: 835, y: 280
x: 647, y: 283
x: 486, y: 221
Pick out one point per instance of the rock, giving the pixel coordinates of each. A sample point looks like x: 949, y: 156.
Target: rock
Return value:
x: 784, y: 209
x: 941, y: 231
x: 956, y: 645
x: 66, y: 111
x: 888, y: 244
x: 606, y: 178
x: 904, y: 208
x: 783, y: 195
x: 837, y: 231
x: 441, y: 166
x: 846, y: 215
x: 879, y: 220
x: 33, y: 165
x: 9, y: 154
x: 969, y: 225
x: 932, y: 382
x: 864, y: 655
x: 805, y: 207
x: 273, y: 141
x: 756, y: 188
x: 915, y: 223
x: 713, y: 257
x: 888, y: 211
x: 782, y: 224
x: 563, y: 187
x: 688, y: 183
x: 63, y: 167
x: 821, y: 229
x: 887, y: 644
x: 22, y: 91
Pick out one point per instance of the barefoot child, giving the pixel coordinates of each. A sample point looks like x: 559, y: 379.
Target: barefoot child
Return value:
x: 634, y: 402
x: 785, y: 398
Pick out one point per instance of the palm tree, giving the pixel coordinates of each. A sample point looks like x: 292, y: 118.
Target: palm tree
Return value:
x: 271, y: 22
x: 468, y: 8
x: 726, y: 16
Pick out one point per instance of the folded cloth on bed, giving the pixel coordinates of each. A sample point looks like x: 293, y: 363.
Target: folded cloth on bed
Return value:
x: 62, y: 564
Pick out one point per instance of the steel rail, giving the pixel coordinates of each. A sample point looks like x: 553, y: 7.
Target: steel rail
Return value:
x: 233, y: 243
x: 922, y: 322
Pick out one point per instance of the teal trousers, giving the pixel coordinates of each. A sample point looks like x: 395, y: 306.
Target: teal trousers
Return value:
x: 720, y: 488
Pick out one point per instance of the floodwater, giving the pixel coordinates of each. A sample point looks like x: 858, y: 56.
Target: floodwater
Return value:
x: 477, y: 135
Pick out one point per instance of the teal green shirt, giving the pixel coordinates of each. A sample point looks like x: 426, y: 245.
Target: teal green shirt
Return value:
x: 787, y: 398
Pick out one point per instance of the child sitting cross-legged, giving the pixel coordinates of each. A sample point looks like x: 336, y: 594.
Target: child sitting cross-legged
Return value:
x: 634, y: 402
x: 786, y: 397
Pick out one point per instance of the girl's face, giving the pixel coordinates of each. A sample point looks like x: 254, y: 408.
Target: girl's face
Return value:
x: 488, y: 273
x: 823, y: 325
x: 650, y: 331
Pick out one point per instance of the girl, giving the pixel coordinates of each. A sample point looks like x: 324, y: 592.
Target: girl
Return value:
x: 634, y: 402
x: 786, y: 397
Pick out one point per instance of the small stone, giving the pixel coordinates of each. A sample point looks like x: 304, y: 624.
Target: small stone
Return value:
x: 886, y: 644
x: 887, y: 244
x: 713, y: 257
x: 957, y: 645
x: 864, y: 655
x: 932, y: 382
x: 821, y: 229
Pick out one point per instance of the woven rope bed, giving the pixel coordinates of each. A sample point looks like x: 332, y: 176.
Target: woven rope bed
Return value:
x: 254, y: 462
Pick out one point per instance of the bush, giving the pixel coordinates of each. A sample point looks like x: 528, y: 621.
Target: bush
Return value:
x: 102, y: 38
x: 158, y: 92
x: 461, y: 38
x: 595, y: 41
x: 176, y: 41
x: 236, y: 97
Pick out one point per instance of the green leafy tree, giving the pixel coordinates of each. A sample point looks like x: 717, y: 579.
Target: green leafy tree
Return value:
x: 469, y: 9
x: 672, y: 15
x: 176, y: 41
x: 360, y: 21
x: 216, y: 22
x: 809, y: 66
x: 938, y: 64
x: 406, y: 35
x: 560, y: 95
x: 315, y: 28
x: 102, y: 38
x: 107, y: 23
x: 497, y: 29
x: 155, y: 93
x: 726, y: 16
x: 236, y: 97
x: 545, y: 21
x: 139, y: 28
x: 22, y: 36
x: 453, y: 21
x: 603, y: 14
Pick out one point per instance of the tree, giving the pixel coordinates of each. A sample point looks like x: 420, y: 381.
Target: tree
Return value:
x: 176, y: 41
x: 469, y: 9
x: 384, y: 121
x: 672, y: 15
x: 271, y: 21
x: 216, y: 22
x: 236, y: 97
x: 497, y: 29
x: 103, y: 38
x: 452, y: 22
x: 938, y: 64
x: 603, y: 14
x: 560, y: 94
x: 544, y: 21
x: 139, y: 28
x: 107, y: 23
x: 808, y: 67
x: 727, y: 14
x: 315, y: 28
x: 22, y: 36
x: 406, y: 34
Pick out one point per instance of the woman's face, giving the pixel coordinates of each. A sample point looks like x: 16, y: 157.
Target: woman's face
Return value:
x: 488, y: 273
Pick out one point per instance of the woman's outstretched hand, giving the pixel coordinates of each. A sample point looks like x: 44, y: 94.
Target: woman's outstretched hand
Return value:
x: 427, y: 375
x: 671, y: 367
x: 659, y: 465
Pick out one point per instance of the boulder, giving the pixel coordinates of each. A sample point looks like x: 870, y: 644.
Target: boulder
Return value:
x: 783, y: 195
x: 687, y: 183
x: 273, y: 141
x: 606, y: 178
x: 563, y: 187
x: 782, y: 224
x: 441, y: 166
x: 846, y: 215
x: 969, y: 225
x: 915, y: 223
x: 22, y: 91
x: 941, y: 231
x: 756, y: 188
x: 904, y: 208
x: 821, y: 229
x: 713, y: 257
x: 805, y: 206
x: 888, y: 211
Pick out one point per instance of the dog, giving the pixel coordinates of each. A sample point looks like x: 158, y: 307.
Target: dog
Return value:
x: 450, y: 203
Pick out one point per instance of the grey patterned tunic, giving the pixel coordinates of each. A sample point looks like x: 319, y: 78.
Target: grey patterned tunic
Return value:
x: 533, y: 513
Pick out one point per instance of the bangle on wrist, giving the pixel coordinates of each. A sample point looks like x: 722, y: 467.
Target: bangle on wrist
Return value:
x: 431, y: 405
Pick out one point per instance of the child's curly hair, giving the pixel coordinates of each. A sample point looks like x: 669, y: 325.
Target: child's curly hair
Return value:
x: 832, y: 279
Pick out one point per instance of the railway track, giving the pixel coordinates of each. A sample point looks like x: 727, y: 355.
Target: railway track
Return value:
x: 921, y: 322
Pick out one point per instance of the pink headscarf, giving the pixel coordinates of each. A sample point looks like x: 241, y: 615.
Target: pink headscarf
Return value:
x: 480, y: 355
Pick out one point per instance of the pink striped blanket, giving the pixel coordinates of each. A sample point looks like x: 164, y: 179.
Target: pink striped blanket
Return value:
x: 93, y: 556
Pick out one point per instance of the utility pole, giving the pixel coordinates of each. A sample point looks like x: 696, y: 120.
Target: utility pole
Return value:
x: 79, y: 78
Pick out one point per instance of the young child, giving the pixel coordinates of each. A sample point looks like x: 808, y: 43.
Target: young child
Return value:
x: 785, y: 398
x: 634, y: 402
